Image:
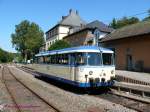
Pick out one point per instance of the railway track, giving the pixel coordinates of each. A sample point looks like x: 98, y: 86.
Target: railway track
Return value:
x: 134, y: 104
x: 23, y: 98
x: 126, y: 102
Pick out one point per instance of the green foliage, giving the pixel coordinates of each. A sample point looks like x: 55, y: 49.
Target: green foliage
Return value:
x: 60, y: 44
x: 148, y: 17
x: 113, y: 24
x: 5, y: 56
x: 27, y: 39
x: 123, y: 22
x: 18, y: 58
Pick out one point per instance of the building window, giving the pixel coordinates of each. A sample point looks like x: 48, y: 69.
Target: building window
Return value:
x: 56, y: 32
x: 47, y: 36
x: 52, y: 32
x: 129, y: 50
x: 48, y: 44
x: 49, y: 33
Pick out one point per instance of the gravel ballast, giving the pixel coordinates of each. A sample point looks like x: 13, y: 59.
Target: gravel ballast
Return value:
x: 5, y: 98
x: 67, y: 101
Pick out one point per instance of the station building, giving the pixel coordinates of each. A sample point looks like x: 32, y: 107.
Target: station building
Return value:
x: 131, y: 45
x: 63, y: 27
x: 73, y: 29
x: 88, y: 34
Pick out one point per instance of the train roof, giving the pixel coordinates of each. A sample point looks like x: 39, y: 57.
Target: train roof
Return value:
x: 76, y: 49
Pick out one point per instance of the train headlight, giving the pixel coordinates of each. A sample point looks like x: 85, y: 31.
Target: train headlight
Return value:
x: 112, y: 71
x: 81, y: 69
x: 90, y: 72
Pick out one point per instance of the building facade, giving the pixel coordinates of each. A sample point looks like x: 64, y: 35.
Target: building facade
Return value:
x: 88, y: 34
x: 80, y: 38
x: 131, y: 45
x: 63, y: 28
x: 56, y: 33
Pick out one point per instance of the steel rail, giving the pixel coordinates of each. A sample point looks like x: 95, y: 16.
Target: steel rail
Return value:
x: 12, y: 97
x: 111, y: 93
x: 37, y: 95
x: 124, y: 98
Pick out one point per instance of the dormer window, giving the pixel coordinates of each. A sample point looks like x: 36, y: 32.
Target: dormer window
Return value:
x: 97, y: 33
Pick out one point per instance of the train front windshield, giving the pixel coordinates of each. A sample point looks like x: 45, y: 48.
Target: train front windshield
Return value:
x: 94, y: 59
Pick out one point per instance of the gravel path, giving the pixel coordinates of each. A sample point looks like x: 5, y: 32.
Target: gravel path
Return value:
x: 67, y: 101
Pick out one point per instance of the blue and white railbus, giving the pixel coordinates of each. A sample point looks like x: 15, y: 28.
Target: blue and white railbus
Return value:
x: 85, y: 66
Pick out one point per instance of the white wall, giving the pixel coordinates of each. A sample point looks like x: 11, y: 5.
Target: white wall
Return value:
x: 62, y: 32
x: 51, y: 41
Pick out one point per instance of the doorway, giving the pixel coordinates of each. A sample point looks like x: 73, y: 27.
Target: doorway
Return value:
x: 129, y: 62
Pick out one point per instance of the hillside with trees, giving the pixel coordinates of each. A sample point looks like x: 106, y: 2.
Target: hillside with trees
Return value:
x: 124, y: 21
x: 148, y: 17
x: 6, y: 56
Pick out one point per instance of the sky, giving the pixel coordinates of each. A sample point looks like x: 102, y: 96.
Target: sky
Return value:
x: 46, y: 13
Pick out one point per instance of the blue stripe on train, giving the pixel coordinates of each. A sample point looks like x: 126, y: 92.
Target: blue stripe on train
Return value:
x: 100, y: 84
x: 78, y: 84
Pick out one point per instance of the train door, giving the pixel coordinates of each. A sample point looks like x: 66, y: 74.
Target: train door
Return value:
x: 72, y: 67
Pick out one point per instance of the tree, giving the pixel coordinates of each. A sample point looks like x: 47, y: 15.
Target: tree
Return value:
x: 5, y: 56
x: 113, y: 23
x: 27, y: 39
x: 60, y: 44
x: 123, y: 22
x: 148, y: 17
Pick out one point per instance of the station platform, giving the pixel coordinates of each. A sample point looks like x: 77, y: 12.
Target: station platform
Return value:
x: 132, y: 91
x: 133, y: 77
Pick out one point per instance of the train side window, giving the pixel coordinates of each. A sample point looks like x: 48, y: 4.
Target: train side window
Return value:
x: 80, y: 59
x: 50, y: 59
x: 40, y: 60
x: 72, y: 58
x: 65, y: 59
x: 35, y: 60
x: 57, y: 58
x: 46, y: 59
x: 53, y: 59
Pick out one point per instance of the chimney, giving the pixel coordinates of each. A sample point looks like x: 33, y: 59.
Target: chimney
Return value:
x: 63, y: 17
x: 70, y: 11
x: 82, y: 26
x: 77, y: 12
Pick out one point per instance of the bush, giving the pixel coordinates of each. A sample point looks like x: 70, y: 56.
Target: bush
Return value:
x: 60, y: 44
